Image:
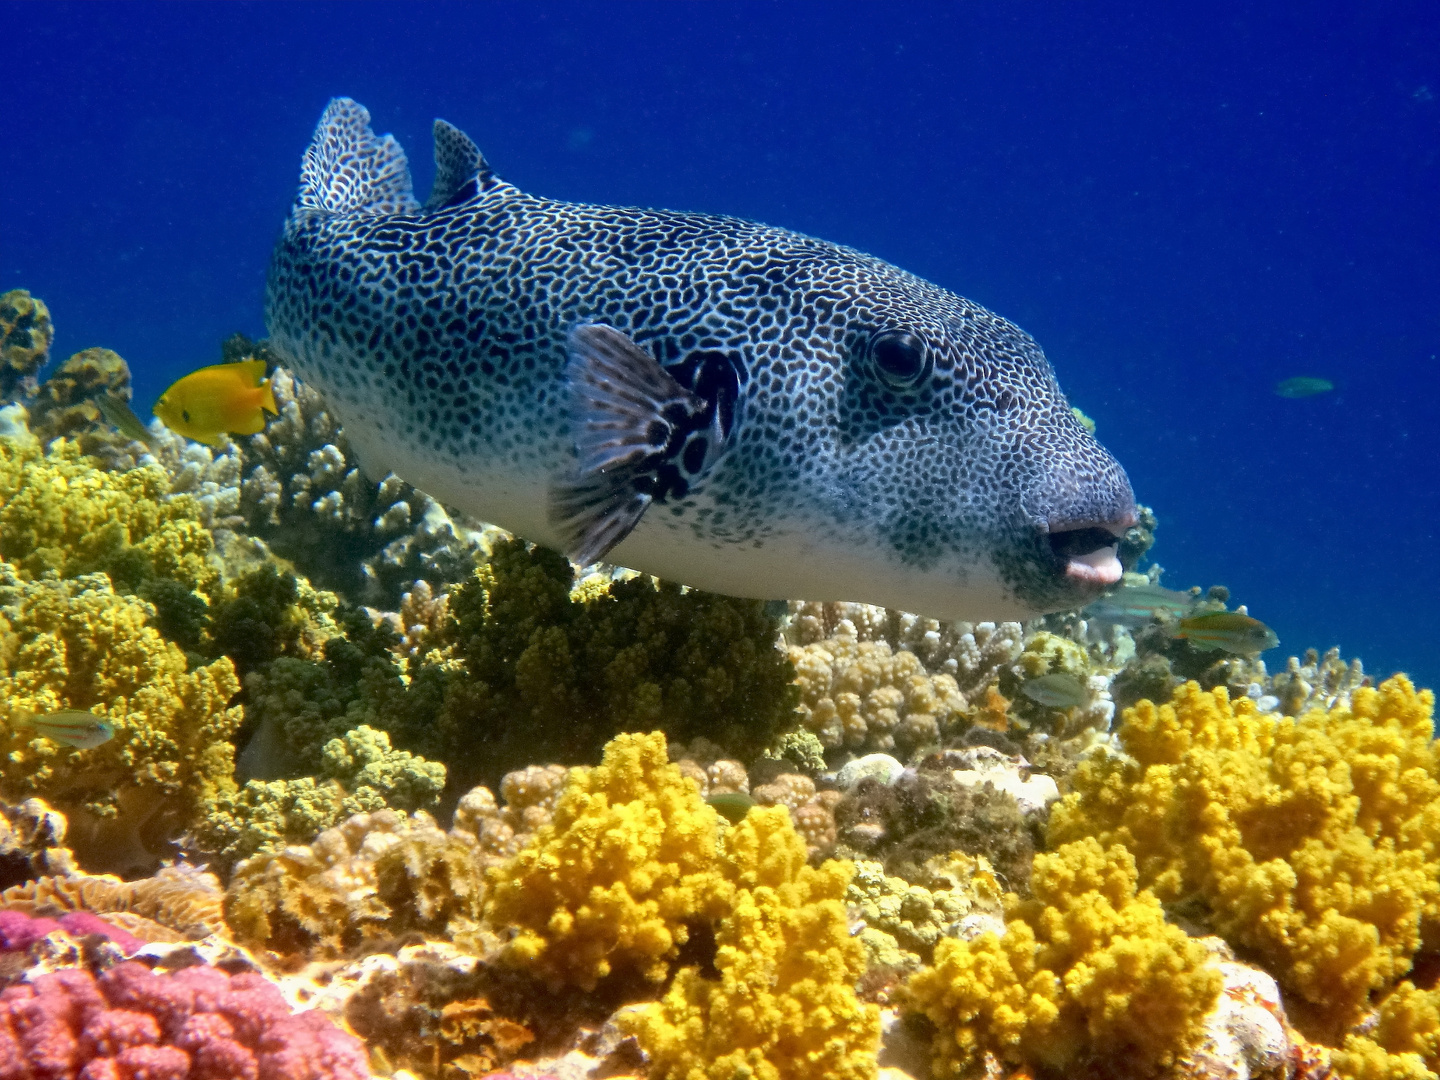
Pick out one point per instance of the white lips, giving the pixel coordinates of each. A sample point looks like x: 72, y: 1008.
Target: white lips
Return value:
x: 1099, y: 567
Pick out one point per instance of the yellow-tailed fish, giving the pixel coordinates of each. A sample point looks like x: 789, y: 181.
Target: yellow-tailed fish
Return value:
x: 73, y: 727
x: 1228, y: 630
x: 119, y: 415
x: 1134, y: 606
x: 1303, y: 386
x: 1058, y: 691
x: 731, y: 805
x: 223, y: 398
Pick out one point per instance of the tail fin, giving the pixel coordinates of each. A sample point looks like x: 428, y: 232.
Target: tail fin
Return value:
x: 348, y: 168
x: 267, y: 398
x: 458, y: 161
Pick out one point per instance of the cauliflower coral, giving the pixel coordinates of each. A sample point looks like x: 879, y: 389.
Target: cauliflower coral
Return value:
x: 1311, y: 841
x: 784, y: 1005
x: 1086, y: 967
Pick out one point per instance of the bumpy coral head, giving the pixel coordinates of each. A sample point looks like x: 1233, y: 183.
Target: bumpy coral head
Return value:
x: 949, y: 425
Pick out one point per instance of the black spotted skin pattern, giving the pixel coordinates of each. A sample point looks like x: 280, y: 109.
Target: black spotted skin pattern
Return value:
x: 439, y: 337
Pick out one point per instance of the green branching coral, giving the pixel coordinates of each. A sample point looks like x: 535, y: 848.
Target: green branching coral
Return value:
x: 59, y: 512
x: 783, y: 1006
x: 1312, y: 842
x: 358, y: 773
x: 79, y: 645
x: 551, y: 676
x: 1087, y: 968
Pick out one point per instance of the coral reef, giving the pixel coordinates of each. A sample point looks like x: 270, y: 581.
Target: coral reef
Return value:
x: 371, y: 879
x: 550, y: 676
x: 928, y: 812
x: 64, y: 407
x: 865, y: 696
x: 783, y: 1005
x: 131, y: 1022
x: 25, y: 336
x: 182, y: 899
x: 77, y: 644
x: 811, y: 811
x: 1310, y: 841
x: 358, y: 773
x: 614, y: 883
x: 1087, y: 967
x: 58, y: 512
x: 32, y: 842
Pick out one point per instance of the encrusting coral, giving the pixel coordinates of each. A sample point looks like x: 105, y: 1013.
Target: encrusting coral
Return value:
x: 1313, y: 842
x: 77, y: 644
x: 783, y: 1006
x: 617, y: 879
x: 1087, y: 968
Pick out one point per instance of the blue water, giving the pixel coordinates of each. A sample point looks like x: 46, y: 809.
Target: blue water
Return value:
x: 1182, y: 208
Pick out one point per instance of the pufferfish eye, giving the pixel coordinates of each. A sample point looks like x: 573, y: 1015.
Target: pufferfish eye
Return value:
x: 900, y: 358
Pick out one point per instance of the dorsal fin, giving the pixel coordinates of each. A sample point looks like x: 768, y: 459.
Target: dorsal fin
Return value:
x: 458, y: 161
x: 349, y: 168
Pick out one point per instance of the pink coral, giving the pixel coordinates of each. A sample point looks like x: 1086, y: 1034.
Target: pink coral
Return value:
x: 194, y: 1024
x: 19, y: 930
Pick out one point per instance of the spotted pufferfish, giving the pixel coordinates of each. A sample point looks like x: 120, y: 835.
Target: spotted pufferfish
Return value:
x: 721, y: 403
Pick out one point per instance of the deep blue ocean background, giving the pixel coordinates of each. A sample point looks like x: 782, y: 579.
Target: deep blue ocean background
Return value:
x: 1182, y: 207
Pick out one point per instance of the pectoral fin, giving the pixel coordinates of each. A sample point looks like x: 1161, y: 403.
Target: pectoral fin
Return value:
x: 632, y: 423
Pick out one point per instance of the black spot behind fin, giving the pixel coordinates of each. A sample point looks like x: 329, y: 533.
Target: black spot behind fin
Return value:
x: 458, y: 165
x: 631, y: 421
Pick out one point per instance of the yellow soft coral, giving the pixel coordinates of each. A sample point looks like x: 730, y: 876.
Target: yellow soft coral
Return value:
x: 1086, y: 967
x: 784, y: 1005
x: 1403, y: 1043
x: 59, y: 512
x: 78, y: 645
x: 1314, y: 841
x: 614, y: 882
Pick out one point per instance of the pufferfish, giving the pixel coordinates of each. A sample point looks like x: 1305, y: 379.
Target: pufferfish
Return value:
x: 722, y: 403
x: 214, y: 401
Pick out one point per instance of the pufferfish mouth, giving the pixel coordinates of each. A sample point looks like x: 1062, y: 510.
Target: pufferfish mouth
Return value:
x: 1088, y: 551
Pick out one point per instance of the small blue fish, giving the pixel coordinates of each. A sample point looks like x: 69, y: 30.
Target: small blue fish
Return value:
x: 1134, y: 606
x: 1057, y: 691
x: 82, y: 730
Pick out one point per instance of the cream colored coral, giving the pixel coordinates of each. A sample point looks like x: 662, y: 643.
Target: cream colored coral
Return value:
x: 862, y: 695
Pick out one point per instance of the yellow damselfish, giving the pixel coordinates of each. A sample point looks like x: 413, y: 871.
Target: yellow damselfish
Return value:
x: 223, y: 398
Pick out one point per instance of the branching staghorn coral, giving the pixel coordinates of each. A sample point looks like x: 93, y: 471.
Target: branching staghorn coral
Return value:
x: 1087, y: 968
x: 77, y: 644
x: 1313, y: 842
x: 783, y: 1006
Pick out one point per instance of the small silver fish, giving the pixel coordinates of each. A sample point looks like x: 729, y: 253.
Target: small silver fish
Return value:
x: 119, y: 415
x: 1303, y: 386
x: 73, y: 727
x: 1134, y: 606
x: 1227, y: 630
x: 1057, y: 691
